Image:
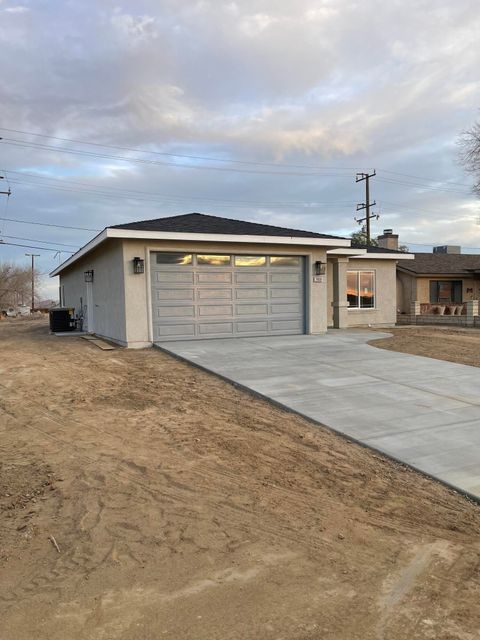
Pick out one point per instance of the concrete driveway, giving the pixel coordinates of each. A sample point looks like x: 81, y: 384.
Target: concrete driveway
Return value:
x: 422, y: 411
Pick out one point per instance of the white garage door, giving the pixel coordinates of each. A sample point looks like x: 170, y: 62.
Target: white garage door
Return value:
x: 221, y: 296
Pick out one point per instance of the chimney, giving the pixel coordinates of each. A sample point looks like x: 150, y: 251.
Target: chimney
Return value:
x: 388, y: 240
x: 448, y: 248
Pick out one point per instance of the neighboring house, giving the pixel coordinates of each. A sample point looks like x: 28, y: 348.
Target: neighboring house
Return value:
x: 44, y: 306
x: 438, y: 278
x: 197, y: 276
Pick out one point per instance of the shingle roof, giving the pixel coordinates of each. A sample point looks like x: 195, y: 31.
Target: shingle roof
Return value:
x: 371, y: 249
x: 443, y: 263
x: 202, y: 223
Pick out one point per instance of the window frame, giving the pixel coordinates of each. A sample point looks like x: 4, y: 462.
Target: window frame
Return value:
x: 437, y: 283
x: 359, y: 307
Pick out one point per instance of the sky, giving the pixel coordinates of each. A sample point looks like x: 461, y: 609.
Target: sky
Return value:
x: 262, y: 110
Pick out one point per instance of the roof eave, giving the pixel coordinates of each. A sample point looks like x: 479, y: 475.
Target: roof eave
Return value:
x: 226, y: 237
x: 94, y: 242
x: 388, y: 256
x: 134, y: 234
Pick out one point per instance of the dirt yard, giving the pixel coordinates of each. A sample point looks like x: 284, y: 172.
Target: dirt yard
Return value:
x: 442, y: 343
x: 185, y: 509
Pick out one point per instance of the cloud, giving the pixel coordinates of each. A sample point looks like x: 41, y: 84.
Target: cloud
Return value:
x: 16, y: 9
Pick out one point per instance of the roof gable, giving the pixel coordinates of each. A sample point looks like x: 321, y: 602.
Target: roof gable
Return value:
x: 202, y: 223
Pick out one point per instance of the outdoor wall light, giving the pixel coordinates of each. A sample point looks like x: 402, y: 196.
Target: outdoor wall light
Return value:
x: 319, y: 268
x: 138, y: 265
x: 88, y: 275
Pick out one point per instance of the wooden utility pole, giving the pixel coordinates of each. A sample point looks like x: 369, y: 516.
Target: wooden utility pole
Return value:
x: 33, y: 256
x: 367, y: 204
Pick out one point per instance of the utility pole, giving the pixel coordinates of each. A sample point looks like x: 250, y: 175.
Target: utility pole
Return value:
x: 367, y: 204
x: 33, y: 256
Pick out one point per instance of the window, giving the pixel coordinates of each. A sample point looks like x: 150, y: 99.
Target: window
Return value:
x: 361, y: 289
x: 213, y: 260
x: 445, y: 291
x: 250, y: 261
x: 174, y: 258
x: 285, y: 261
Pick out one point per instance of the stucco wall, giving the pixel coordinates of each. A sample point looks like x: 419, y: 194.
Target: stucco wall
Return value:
x: 107, y: 289
x: 137, y: 287
x: 385, y: 312
x: 406, y: 291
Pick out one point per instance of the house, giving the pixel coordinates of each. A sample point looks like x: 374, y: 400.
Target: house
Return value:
x: 198, y: 276
x: 443, y: 277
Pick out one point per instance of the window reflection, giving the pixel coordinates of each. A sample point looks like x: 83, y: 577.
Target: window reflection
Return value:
x: 352, y: 288
x: 284, y: 261
x: 250, y: 261
x: 361, y: 289
x: 213, y: 260
x: 174, y: 258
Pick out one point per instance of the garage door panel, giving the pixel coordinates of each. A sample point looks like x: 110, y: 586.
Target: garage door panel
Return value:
x: 213, y: 329
x: 245, y: 277
x: 252, y: 327
x: 292, y: 308
x: 173, y: 277
x: 286, y: 278
x: 206, y: 277
x: 286, y: 293
x: 252, y: 309
x: 215, y: 310
x: 286, y: 325
x: 214, y: 294
x: 251, y: 294
x: 176, y: 331
x: 173, y: 294
x: 193, y: 302
x: 176, y: 312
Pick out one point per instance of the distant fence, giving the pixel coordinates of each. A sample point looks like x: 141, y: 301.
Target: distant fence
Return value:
x: 459, y: 315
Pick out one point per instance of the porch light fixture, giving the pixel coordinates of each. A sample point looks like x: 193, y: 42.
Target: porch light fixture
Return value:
x: 138, y: 265
x: 88, y: 275
x: 319, y: 268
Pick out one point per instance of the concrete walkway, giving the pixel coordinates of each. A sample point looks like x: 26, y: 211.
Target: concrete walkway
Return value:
x: 422, y: 411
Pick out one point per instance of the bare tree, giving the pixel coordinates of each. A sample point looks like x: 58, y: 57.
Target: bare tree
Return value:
x: 15, y: 284
x: 469, y: 143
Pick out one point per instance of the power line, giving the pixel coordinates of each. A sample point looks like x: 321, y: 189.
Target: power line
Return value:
x: 89, y: 154
x: 177, y: 155
x: 210, y: 158
x: 28, y: 246
x: 409, y: 175
x: 60, y: 244
x: 135, y: 193
x: 48, y: 224
x: 78, y: 152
